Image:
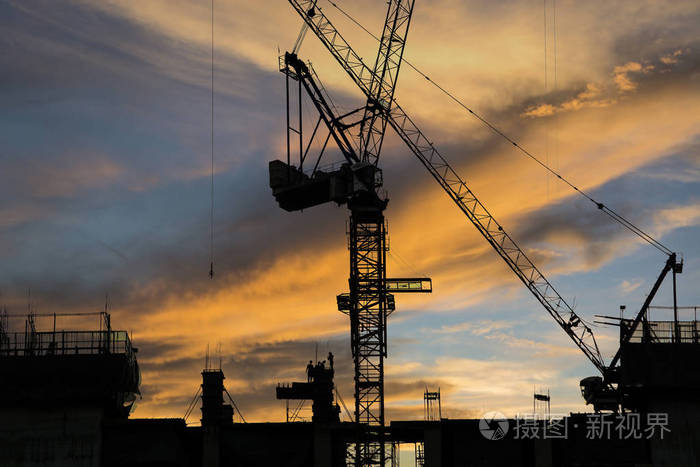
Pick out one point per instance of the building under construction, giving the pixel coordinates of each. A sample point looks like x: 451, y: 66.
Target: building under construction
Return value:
x: 67, y: 395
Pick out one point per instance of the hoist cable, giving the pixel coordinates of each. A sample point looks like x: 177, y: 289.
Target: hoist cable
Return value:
x: 192, y: 404
x: 235, y: 406
x: 546, y: 129
x: 211, y: 199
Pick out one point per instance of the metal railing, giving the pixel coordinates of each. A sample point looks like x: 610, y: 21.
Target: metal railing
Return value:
x: 65, y: 343
x: 663, y: 332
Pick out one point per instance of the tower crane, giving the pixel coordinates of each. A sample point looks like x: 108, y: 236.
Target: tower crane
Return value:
x: 605, y: 392
x: 359, y: 135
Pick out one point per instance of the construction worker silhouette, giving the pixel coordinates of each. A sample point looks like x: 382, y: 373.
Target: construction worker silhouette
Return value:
x: 309, y: 369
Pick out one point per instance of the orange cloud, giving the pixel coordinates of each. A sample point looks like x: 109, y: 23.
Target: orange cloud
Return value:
x: 623, y: 81
x: 671, y: 58
x: 602, y: 94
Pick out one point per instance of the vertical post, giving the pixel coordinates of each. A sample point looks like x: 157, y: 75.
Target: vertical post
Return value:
x: 108, y: 321
x: 289, y: 174
x: 301, y: 140
x: 677, y: 338
x: 426, y: 412
x: 646, y: 328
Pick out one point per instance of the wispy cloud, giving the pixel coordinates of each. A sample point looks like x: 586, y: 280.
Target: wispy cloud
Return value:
x: 477, y: 328
x: 627, y: 287
x: 624, y: 80
x: 673, y: 57
x: 674, y: 217
x: 622, y: 75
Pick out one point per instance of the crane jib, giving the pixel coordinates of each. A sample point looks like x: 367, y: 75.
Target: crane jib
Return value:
x: 383, y: 78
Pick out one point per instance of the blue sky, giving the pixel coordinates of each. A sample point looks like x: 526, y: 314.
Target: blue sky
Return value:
x: 104, y: 188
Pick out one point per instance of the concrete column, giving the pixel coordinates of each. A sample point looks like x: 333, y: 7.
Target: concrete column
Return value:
x: 433, y: 446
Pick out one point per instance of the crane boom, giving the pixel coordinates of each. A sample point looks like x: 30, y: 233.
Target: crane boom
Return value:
x: 384, y: 77
x: 488, y: 226
x: 455, y: 187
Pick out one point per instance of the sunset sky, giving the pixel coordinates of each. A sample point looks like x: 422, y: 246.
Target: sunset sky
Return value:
x: 105, y: 179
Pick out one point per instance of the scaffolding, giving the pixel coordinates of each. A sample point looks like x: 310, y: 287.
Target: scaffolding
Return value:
x: 541, y: 407
x: 395, y: 454
x: 432, y: 412
x: 432, y: 407
x: 420, y: 454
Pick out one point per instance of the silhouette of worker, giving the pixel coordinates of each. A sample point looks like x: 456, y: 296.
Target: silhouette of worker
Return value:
x: 330, y: 359
x: 309, y: 370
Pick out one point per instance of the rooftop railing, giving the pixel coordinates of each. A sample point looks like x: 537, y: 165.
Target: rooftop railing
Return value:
x: 664, y: 332
x: 65, y: 343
